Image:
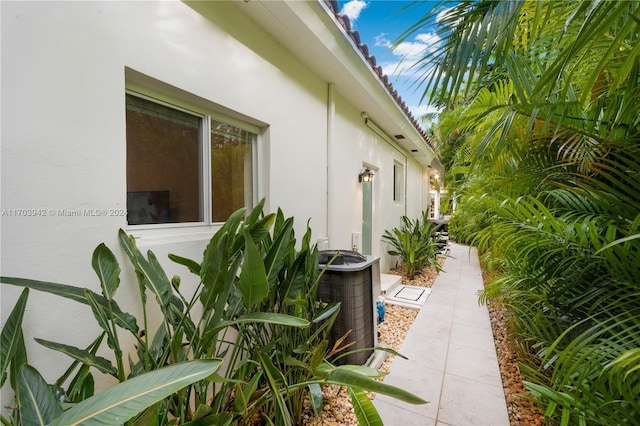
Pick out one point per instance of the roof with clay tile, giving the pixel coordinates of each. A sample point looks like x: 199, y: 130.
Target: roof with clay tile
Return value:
x: 345, y: 22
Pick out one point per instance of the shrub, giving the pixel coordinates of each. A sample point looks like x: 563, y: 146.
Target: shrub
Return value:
x: 417, y: 242
x: 256, y: 309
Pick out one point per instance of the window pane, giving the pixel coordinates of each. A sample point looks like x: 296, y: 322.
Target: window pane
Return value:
x: 163, y: 164
x: 231, y: 170
x: 398, y: 182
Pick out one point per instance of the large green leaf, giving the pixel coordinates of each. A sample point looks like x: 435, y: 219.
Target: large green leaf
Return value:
x: 316, y: 398
x: 93, y: 349
x: 276, y: 381
x: 363, y: 407
x: 153, y: 276
x: 279, y: 250
x: 261, y: 317
x: 63, y: 290
x: 214, y: 269
x: 193, y: 266
x: 296, y: 286
x: 618, y: 241
x: 82, y: 386
x: 81, y: 355
x: 125, y: 400
x: 38, y: 404
x: 253, y: 284
x: 243, y: 392
x: 624, y: 365
x: 260, y: 230
x: 101, y: 315
x: 125, y: 320
x: 348, y: 377
x: 108, y: 270
x: 17, y: 361
x: 254, y: 215
x: 327, y: 312
x: 11, y: 333
x: 155, y: 264
x: 217, y: 256
x: 364, y: 370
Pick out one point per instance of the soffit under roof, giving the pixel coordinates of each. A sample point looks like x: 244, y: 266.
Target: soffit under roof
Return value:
x: 317, y: 36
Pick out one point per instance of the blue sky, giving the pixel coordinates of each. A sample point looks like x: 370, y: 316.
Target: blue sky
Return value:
x: 380, y: 23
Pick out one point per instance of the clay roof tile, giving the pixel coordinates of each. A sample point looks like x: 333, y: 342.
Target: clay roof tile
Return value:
x: 355, y: 36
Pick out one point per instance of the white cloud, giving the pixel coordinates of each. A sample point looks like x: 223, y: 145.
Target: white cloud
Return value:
x: 382, y: 40
x: 404, y: 68
x: 408, y: 52
x: 409, y: 49
x: 420, y: 110
x: 353, y: 9
x: 394, y: 69
x: 430, y: 39
x: 421, y: 45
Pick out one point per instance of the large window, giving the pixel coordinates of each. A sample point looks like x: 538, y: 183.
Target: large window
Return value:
x: 184, y: 166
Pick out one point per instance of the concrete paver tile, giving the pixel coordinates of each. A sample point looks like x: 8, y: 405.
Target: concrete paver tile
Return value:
x: 439, y: 310
x: 423, y: 381
x: 442, y: 296
x: 467, y: 402
x: 430, y: 326
x: 473, y: 336
x: 393, y: 415
x: 474, y: 363
x: 426, y: 352
x: 472, y: 315
x: 448, y: 280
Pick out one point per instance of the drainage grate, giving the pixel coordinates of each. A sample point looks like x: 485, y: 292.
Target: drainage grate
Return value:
x: 408, y: 293
x: 408, y: 296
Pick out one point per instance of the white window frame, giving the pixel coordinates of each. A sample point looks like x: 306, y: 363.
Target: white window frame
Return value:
x: 398, y: 182
x: 206, y: 116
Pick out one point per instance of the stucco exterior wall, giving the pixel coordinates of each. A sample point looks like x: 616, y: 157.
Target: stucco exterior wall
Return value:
x: 355, y: 146
x: 65, y: 69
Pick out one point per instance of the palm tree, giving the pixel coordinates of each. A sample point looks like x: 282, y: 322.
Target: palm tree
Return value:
x: 542, y: 100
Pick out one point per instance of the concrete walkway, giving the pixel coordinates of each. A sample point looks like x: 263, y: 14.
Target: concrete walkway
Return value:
x: 452, y: 359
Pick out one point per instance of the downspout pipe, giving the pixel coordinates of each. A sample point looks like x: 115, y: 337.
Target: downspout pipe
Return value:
x: 331, y: 113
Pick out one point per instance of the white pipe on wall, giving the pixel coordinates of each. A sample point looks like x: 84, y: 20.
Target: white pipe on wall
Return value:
x: 331, y: 112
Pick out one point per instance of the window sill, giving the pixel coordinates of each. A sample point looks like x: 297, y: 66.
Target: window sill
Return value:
x: 155, y: 235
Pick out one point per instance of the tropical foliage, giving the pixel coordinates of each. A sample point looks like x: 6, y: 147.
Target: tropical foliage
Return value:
x: 254, y: 306
x: 541, y: 135
x: 417, y: 242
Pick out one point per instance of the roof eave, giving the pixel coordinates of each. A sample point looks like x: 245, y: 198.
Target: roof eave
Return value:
x: 316, y: 35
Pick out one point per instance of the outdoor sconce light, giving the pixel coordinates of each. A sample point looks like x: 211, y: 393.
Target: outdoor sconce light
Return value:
x: 365, y: 175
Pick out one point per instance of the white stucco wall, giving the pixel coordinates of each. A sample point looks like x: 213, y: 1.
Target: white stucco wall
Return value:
x: 64, y: 142
x: 354, y: 146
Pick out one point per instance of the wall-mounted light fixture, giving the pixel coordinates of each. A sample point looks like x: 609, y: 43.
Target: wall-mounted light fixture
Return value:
x: 366, y: 175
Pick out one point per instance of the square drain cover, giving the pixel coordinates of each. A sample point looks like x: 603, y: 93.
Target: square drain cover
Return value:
x: 409, y: 293
x: 408, y: 296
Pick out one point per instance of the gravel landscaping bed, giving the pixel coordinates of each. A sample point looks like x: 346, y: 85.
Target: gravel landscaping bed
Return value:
x: 522, y: 412
x: 338, y: 410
